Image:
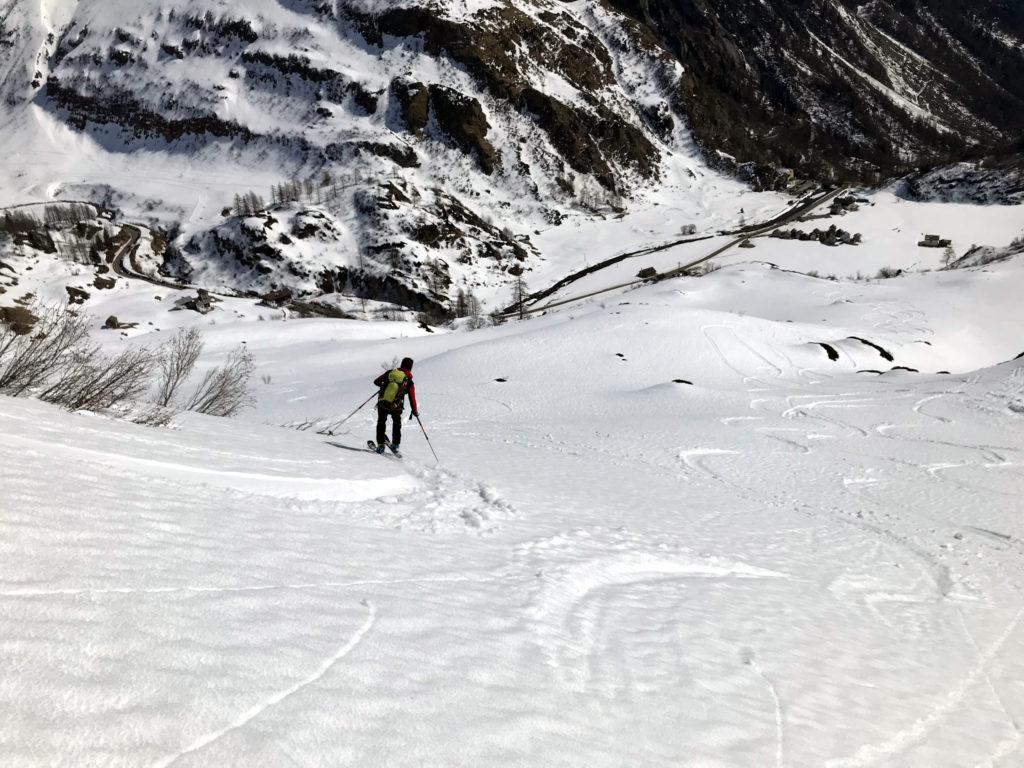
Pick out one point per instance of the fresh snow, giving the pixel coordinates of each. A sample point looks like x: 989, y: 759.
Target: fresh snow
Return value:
x: 753, y: 518
x: 790, y: 561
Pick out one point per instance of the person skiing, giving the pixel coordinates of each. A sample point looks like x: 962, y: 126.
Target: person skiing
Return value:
x: 394, y: 385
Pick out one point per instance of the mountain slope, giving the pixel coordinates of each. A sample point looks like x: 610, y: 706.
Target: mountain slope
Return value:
x: 507, y: 111
x: 843, y: 88
x: 454, y: 133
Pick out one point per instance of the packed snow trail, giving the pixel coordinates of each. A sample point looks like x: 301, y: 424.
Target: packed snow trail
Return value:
x: 786, y: 562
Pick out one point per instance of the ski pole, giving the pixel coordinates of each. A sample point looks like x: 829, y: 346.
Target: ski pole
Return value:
x: 428, y: 439
x: 342, y: 422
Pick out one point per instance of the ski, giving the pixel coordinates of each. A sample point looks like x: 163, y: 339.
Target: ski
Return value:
x: 371, y: 445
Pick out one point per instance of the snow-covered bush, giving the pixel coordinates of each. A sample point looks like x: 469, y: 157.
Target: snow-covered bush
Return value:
x: 46, y: 352
x: 54, y: 359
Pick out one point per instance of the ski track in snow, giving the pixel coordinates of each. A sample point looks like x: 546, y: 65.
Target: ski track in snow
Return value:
x: 780, y: 730
x: 727, y: 344
x: 568, y: 603
x: 255, y: 711
x: 906, y: 738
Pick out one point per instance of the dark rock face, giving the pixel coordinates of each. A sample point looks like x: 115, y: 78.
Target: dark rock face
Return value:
x: 845, y: 89
x: 490, y: 49
x: 991, y: 183
x: 414, y: 105
x: 460, y: 119
x: 585, y: 147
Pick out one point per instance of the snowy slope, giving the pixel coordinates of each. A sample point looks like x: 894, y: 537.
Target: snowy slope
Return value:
x: 788, y: 561
x: 504, y: 126
x: 168, y: 113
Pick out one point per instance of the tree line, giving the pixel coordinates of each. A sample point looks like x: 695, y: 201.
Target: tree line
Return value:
x: 315, y: 189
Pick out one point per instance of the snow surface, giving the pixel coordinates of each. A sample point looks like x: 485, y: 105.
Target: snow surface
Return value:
x: 790, y: 561
x: 666, y: 527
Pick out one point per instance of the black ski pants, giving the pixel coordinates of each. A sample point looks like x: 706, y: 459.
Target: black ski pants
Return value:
x: 382, y: 426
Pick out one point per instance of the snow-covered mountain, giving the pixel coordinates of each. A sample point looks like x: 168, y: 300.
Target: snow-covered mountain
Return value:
x: 719, y: 498
x: 506, y: 112
x: 431, y: 142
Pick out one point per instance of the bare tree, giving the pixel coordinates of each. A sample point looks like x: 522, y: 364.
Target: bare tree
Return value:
x: 46, y: 352
x: 226, y: 390
x: 67, y: 213
x: 520, y: 295
x: 177, y: 359
x: 948, y: 256
x: 472, y: 304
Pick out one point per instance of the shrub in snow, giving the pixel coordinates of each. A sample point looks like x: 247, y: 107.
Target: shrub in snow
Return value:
x: 177, y: 360
x: 226, y: 390
x: 222, y: 392
x: 54, y: 359
x: 96, y: 382
x: 31, y: 355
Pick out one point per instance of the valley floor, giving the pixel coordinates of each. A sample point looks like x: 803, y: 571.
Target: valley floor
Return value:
x: 788, y: 561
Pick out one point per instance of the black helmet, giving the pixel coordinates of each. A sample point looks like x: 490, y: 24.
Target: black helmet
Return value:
x: 407, y: 363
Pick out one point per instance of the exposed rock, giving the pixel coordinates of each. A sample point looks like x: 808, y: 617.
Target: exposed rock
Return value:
x: 489, y: 47
x: 1001, y: 184
x: 462, y: 119
x: 276, y: 299
x: 19, y: 319
x: 812, y: 86
x: 414, y: 104
x: 76, y: 295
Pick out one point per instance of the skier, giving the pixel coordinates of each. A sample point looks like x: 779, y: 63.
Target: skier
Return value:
x: 394, y: 386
